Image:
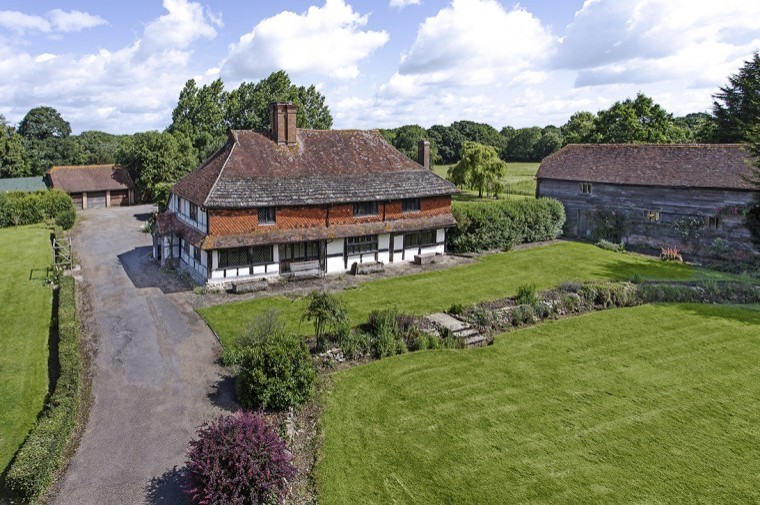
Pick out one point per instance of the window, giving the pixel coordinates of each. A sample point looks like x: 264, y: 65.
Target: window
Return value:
x: 410, y: 205
x: 362, y: 244
x: 652, y: 216
x: 267, y: 215
x: 423, y: 238
x: 300, y: 251
x: 197, y: 254
x: 244, y: 256
x: 586, y: 188
x: 713, y: 222
x: 365, y: 209
x: 193, y: 212
x: 185, y: 246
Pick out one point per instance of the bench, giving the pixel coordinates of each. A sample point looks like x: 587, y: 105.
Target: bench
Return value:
x: 249, y: 286
x: 367, y: 268
x: 305, y: 270
x: 424, y: 259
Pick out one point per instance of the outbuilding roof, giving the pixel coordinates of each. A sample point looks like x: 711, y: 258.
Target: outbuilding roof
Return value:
x: 325, y: 166
x: 720, y: 166
x: 22, y: 184
x: 86, y: 178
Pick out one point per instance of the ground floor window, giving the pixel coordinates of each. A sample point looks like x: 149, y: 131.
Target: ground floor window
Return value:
x: 197, y: 254
x: 245, y: 256
x: 300, y: 251
x: 422, y: 238
x: 362, y: 244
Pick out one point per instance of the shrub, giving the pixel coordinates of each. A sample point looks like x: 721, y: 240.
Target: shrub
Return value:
x: 386, y: 339
x: 18, y: 208
x: 719, y: 248
x: 609, y: 225
x: 610, y: 246
x: 328, y: 314
x: 66, y: 219
x: 456, y: 309
x: 238, y: 459
x: 354, y: 343
x: 752, y: 221
x: 526, y: 294
x: 522, y: 314
x: 42, y: 453
x: 275, y: 372
x: 490, y: 226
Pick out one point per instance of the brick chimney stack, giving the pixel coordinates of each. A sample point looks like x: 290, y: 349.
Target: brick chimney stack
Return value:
x: 283, y: 120
x: 423, y: 153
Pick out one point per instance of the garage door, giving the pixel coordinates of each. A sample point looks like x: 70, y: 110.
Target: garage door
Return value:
x: 96, y: 200
x: 77, y: 199
x: 119, y: 198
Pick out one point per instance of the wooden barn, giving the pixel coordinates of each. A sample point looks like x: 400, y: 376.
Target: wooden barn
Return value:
x: 94, y: 186
x: 661, y: 195
x: 292, y: 200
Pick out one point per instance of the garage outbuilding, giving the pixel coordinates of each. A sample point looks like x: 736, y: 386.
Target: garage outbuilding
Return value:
x: 94, y: 186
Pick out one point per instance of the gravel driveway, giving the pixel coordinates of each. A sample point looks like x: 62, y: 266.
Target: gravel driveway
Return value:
x: 156, y: 371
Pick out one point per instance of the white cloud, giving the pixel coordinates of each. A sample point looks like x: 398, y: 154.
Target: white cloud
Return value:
x: 184, y: 23
x: 21, y: 23
x: 329, y: 41
x: 400, y: 4
x: 73, y: 21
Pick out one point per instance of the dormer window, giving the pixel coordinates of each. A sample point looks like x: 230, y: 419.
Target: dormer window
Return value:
x: 586, y: 188
x: 410, y: 205
x: 365, y: 209
x: 267, y: 215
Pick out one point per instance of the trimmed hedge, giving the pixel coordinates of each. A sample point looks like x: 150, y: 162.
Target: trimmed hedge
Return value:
x: 40, y: 456
x: 502, y: 225
x: 19, y: 208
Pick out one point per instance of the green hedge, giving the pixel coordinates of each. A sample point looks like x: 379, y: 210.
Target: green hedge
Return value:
x: 19, y: 208
x: 502, y: 225
x: 41, y: 454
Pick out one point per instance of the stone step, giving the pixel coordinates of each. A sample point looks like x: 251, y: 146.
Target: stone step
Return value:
x: 466, y: 332
x: 476, y: 341
x: 447, y: 321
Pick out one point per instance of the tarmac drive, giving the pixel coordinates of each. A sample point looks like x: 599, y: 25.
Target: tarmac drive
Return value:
x: 156, y: 371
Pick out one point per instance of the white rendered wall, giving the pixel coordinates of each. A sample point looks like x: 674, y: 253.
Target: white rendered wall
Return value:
x: 334, y: 256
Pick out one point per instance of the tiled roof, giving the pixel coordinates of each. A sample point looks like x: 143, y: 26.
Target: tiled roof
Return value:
x: 168, y: 222
x: 723, y: 166
x: 266, y: 236
x: 82, y: 178
x: 22, y: 184
x: 326, y: 166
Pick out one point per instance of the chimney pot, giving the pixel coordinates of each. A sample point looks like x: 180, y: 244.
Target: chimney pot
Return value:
x: 423, y: 153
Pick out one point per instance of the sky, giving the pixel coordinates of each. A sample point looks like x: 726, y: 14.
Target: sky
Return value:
x: 119, y: 66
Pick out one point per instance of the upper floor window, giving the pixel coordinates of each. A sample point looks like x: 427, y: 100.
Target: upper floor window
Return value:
x: 197, y: 254
x: 652, y: 216
x: 365, y: 209
x: 586, y: 188
x: 193, y: 212
x: 267, y: 215
x: 713, y: 222
x: 410, y: 205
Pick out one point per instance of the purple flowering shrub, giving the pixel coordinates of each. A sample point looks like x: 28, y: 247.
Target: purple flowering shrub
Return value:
x: 238, y: 459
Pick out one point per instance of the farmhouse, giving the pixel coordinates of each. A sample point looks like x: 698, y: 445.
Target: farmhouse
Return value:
x: 658, y: 195
x: 92, y: 186
x: 296, y: 200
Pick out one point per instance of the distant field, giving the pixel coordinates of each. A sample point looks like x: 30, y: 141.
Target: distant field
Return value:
x: 519, y: 182
x: 494, y: 276
x: 653, y: 404
x: 25, y: 310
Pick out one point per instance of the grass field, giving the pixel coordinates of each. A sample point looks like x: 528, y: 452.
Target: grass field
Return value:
x: 494, y: 276
x: 654, y: 404
x: 25, y: 310
x: 520, y: 182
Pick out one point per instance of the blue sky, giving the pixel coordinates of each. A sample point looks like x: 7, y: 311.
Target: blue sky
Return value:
x: 119, y: 66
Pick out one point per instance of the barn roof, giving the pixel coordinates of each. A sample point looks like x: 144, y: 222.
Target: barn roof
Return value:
x: 325, y: 166
x: 85, y: 178
x: 722, y: 166
x: 22, y: 184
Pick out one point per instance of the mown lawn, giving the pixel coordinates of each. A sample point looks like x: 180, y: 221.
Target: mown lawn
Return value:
x: 493, y: 277
x: 520, y: 182
x: 654, y: 404
x: 25, y: 310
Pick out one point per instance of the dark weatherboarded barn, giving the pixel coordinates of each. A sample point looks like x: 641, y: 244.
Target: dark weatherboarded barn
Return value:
x: 682, y: 195
x: 92, y: 186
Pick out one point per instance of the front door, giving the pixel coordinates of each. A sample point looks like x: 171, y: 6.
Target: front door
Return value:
x: 583, y: 227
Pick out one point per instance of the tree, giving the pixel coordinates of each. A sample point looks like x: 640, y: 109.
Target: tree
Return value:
x: 579, y: 129
x: 736, y: 108
x: 479, y: 167
x: 328, y: 314
x: 13, y: 158
x: 43, y: 122
x: 406, y: 139
x: 51, y: 151
x: 522, y: 146
x: 448, y: 142
x: 550, y: 142
x: 752, y: 219
x: 637, y: 121
x: 312, y: 111
x: 200, y: 114
x: 98, y: 148
x: 152, y: 157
